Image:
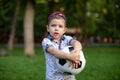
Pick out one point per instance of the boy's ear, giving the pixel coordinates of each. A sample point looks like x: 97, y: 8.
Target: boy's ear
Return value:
x: 47, y: 28
x: 65, y: 30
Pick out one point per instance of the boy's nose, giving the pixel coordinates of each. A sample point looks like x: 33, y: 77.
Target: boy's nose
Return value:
x: 56, y: 28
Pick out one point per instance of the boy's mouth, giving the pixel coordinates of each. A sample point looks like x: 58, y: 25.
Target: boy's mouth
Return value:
x: 56, y: 33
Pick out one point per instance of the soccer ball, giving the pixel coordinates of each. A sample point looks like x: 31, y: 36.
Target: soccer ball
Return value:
x: 63, y: 65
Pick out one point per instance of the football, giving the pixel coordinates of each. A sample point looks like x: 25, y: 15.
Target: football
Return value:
x: 63, y: 65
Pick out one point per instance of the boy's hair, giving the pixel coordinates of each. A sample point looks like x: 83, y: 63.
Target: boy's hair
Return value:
x: 57, y: 15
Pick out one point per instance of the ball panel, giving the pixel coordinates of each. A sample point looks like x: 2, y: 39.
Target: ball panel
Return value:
x: 62, y: 61
x: 70, y: 49
x: 79, y: 66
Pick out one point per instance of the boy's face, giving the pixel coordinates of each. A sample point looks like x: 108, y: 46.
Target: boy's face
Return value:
x: 56, y: 28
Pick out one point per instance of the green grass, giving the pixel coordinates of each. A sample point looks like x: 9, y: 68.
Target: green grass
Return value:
x: 102, y: 63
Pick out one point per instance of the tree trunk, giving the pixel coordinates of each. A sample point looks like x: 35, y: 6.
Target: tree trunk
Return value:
x: 13, y: 29
x: 28, y: 29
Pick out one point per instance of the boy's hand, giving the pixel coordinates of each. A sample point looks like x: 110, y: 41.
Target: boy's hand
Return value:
x: 75, y: 56
x: 74, y: 65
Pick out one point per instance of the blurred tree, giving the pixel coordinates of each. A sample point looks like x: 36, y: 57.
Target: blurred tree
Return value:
x: 77, y: 11
x: 109, y: 20
x: 93, y: 16
x: 28, y: 28
x: 6, y: 15
x: 13, y: 29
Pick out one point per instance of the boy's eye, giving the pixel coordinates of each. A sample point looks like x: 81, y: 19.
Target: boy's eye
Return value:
x: 61, y: 26
x: 53, y: 25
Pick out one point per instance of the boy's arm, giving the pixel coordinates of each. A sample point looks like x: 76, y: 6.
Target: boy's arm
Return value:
x: 57, y: 53
x: 77, y: 45
x: 60, y: 54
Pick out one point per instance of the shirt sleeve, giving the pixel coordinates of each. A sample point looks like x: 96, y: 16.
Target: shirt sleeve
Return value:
x: 46, y: 43
x: 69, y: 39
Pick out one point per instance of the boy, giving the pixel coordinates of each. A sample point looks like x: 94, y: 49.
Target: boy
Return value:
x: 54, y: 43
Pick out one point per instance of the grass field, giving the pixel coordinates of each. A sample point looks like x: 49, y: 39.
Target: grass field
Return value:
x: 102, y: 63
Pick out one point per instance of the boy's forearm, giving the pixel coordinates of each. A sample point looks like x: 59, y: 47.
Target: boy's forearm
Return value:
x: 77, y: 45
x: 57, y: 53
x: 61, y: 54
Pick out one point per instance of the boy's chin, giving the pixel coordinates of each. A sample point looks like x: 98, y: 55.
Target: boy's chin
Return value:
x: 57, y: 38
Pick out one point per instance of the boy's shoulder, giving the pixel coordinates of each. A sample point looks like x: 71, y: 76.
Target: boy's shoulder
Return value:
x: 67, y: 37
x: 45, y: 40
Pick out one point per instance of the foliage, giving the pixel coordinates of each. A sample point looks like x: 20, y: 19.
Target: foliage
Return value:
x: 100, y: 17
x: 6, y: 14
